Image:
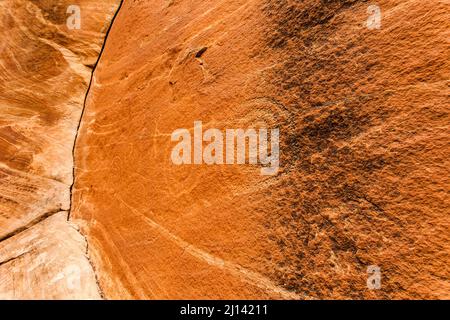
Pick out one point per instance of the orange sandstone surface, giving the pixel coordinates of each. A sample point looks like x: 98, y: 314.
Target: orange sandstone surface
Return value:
x: 45, y: 69
x: 364, y: 126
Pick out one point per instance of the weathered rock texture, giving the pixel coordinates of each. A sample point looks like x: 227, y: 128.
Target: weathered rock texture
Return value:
x: 47, y: 261
x: 45, y: 69
x: 363, y: 118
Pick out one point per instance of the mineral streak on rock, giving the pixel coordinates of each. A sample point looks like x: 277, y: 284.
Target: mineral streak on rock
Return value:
x: 363, y: 118
x: 45, y: 69
x: 365, y: 150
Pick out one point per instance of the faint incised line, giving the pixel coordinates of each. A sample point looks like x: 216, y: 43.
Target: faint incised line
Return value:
x: 237, y: 270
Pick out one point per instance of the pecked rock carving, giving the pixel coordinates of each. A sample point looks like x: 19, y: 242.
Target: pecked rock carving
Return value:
x: 358, y: 208
x: 360, y: 98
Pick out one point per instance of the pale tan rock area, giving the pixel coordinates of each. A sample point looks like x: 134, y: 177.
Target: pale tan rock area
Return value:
x: 47, y: 260
x: 45, y: 69
x: 364, y: 125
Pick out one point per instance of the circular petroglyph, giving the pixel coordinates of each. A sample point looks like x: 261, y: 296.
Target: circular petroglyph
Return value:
x: 261, y: 112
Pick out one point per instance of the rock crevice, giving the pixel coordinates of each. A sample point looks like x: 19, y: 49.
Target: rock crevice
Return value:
x: 75, y: 142
x: 44, y: 76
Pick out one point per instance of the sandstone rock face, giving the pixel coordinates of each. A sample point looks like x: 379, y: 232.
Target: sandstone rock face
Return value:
x: 361, y: 102
x: 359, y: 92
x: 47, y: 261
x: 45, y: 69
